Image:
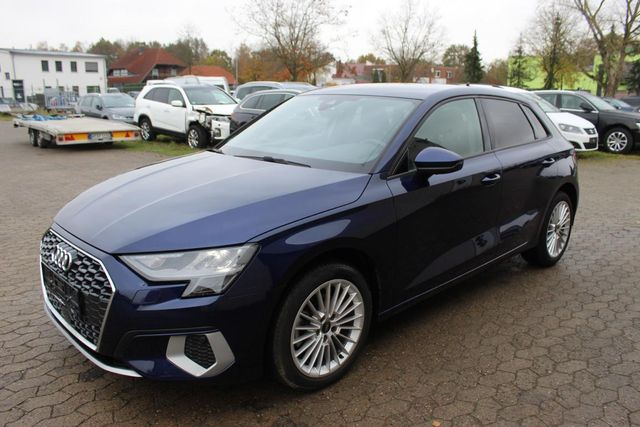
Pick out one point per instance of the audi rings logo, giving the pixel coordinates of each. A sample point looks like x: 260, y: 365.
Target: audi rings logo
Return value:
x: 63, y: 257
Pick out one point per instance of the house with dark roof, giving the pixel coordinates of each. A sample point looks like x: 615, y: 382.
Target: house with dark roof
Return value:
x: 140, y: 65
x: 209, y: 71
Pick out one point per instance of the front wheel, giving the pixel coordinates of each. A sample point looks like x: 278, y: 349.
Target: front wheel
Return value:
x: 197, y: 137
x: 321, y: 327
x: 146, y: 131
x: 554, y: 235
x: 618, y: 141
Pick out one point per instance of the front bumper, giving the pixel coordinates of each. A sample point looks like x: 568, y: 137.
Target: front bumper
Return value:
x: 149, y: 331
x: 582, y: 141
x: 219, y: 130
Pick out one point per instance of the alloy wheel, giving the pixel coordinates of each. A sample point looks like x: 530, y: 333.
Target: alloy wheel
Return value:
x: 192, y: 138
x: 327, y: 328
x: 558, y: 229
x: 145, y: 130
x: 617, y: 142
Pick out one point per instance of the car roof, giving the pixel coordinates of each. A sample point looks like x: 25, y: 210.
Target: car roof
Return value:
x: 419, y: 91
x: 274, y: 91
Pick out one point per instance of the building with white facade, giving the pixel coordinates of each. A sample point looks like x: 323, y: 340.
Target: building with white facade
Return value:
x: 25, y: 73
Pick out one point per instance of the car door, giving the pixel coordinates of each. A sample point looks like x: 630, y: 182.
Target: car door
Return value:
x: 523, y: 146
x: 97, y: 107
x: 175, y: 118
x: 157, y: 111
x: 573, y: 104
x: 446, y: 224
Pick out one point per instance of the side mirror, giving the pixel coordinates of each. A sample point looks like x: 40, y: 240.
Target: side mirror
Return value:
x: 586, y: 107
x: 177, y: 103
x: 437, y: 161
x: 99, y: 107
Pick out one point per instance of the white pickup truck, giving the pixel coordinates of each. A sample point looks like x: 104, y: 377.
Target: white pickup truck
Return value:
x: 200, y: 113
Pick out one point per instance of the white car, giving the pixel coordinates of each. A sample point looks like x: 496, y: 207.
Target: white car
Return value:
x: 578, y: 131
x: 200, y: 113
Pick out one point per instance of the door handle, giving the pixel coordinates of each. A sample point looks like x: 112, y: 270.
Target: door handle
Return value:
x: 548, y: 162
x: 491, y: 179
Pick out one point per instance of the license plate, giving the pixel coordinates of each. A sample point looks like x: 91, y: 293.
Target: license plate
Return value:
x: 100, y: 136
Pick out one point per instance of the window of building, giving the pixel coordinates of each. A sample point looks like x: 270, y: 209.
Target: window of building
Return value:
x: 75, y: 89
x: 508, y: 123
x: 7, y: 76
x: 155, y: 72
x: 74, y: 67
x: 174, y: 72
x: 59, y: 66
x: 437, y: 74
x: 93, y: 89
x: 45, y: 66
x: 91, y: 67
x: 449, y: 74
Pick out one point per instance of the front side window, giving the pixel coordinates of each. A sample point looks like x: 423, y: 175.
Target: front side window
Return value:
x: 600, y: 104
x: 45, y: 66
x: 338, y: 132
x: 91, y: 67
x: 549, y: 97
x: 175, y: 95
x: 508, y: 123
x: 571, y: 102
x: 454, y: 126
x: 118, y: 101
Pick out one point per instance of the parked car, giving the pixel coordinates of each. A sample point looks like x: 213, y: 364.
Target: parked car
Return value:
x: 619, y: 104
x: 581, y: 133
x: 256, y: 104
x: 134, y: 93
x: 282, y: 246
x: 618, y: 130
x: 113, y: 90
x: 199, y: 113
x: 111, y: 106
x: 252, y: 87
x: 632, y: 100
x: 220, y: 82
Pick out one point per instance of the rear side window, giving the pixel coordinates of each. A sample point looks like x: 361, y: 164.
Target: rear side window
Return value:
x: 160, y: 94
x: 454, y: 126
x: 269, y: 101
x: 538, y: 128
x: 509, y: 126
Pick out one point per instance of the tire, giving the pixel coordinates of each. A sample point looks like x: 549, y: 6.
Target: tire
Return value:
x: 545, y: 254
x: 197, y: 137
x: 339, y: 347
x: 33, y: 137
x: 146, y: 130
x: 618, y: 141
x: 42, y: 141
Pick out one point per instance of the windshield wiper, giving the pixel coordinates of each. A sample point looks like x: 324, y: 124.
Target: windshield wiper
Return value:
x: 275, y: 160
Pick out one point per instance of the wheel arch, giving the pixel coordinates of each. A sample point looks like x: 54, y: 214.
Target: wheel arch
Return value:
x: 571, y: 191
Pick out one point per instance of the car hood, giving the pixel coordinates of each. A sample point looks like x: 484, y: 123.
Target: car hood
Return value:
x: 569, y: 119
x: 621, y: 115
x: 224, y: 110
x: 203, y: 200
x: 122, y: 111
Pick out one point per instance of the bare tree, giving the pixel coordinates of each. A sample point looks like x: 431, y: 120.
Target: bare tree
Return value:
x: 291, y: 28
x: 409, y: 36
x: 613, y: 25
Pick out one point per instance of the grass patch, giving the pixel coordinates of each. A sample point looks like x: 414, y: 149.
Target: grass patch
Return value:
x: 4, y: 117
x: 601, y: 155
x: 164, y: 147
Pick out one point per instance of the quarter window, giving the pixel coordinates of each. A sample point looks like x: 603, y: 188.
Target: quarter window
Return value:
x: 454, y: 126
x: 509, y: 126
x: 538, y: 128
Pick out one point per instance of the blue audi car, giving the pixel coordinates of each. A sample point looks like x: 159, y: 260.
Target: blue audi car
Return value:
x: 275, y: 251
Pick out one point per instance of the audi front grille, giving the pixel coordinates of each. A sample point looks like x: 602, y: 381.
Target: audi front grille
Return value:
x: 77, y: 288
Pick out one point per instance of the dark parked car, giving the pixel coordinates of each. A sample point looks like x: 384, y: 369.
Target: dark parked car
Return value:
x: 632, y: 100
x: 281, y: 247
x: 252, y: 87
x: 112, y: 106
x: 256, y: 104
x: 619, y: 131
x: 619, y: 104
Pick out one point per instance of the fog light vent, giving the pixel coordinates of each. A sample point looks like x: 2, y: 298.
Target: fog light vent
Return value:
x: 198, y: 349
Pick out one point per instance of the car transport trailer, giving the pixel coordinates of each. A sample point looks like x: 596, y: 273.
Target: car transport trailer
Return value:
x: 49, y: 131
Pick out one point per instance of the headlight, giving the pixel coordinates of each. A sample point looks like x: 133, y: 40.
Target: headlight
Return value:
x: 638, y: 124
x: 208, y: 271
x: 569, y: 128
x: 118, y: 117
x: 220, y: 118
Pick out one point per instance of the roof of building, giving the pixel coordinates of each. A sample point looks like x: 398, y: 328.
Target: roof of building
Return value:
x: 209, y: 71
x: 140, y: 62
x: 51, y: 53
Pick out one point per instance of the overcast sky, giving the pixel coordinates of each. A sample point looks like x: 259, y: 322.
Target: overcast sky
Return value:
x: 26, y: 22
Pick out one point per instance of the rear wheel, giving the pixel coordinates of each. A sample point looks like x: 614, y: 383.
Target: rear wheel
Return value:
x: 197, y: 137
x: 33, y: 137
x: 618, y: 140
x: 146, y: 131
x: 321, y: 327
x: 555, y: 233
x: 43, y: 140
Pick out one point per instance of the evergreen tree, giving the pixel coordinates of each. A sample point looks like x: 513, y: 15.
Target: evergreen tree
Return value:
x: 375, y: 76
x: 633, y: 78
x: 383, y: 76
x: 519, y: 73
x: 473, y: 69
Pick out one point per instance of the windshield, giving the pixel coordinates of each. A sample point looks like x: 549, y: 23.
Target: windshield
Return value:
x: 339, y: 132
x: 619, y: 103
x: 600, y: 104
x: 118, y: 101
x: 207, y: 95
